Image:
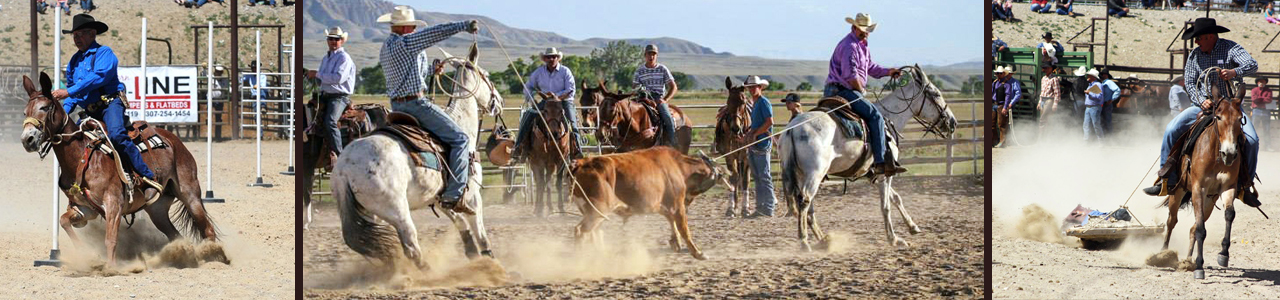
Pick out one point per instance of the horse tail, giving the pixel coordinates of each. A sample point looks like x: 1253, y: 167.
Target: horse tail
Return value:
x: 789, y: 174
x: 361, y: 234
x: 185, y: 219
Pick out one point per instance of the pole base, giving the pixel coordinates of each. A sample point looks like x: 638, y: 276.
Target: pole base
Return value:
x: 289, y: 172
x: 259, y: 183
x: 208, y: 198
x: 52, y: 261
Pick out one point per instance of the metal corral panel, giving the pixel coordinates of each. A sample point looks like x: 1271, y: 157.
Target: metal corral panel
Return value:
x: 1027, y: 70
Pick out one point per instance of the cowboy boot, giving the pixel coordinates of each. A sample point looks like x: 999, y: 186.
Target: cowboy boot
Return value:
x: 1249, y: 195
x: 887, y: 169
x: 456, y: 205
x: 150, y: 189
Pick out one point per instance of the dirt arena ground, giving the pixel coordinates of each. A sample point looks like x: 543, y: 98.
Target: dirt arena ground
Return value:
x: 746, y: 258
x: 1060, y: 174
x: 256, y: 226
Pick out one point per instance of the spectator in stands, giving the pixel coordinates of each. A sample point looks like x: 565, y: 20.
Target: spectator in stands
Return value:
x: 87, y: 5
x: 263, y: 2
x: 66, y: 8
x: 1270, y: 13
x: 1148, y: 4
x: 997, y: 47
x: 1064, y: 7
x: 1094, y: 99
x: 1002, y: 10
x: 1178, y: 98
x: 1049, y: 49
x: 42, y: 7
x: 1117, y: 8
x: 197, y: 3
x: 1261, y: 96
x: 1041, y: 6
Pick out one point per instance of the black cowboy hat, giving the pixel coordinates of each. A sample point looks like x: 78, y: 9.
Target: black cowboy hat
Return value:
x: 1256, y: 80
x: 82, y: 21
x: 1105, y: 73
x: 1047, y: 35
x: 1203, y: 26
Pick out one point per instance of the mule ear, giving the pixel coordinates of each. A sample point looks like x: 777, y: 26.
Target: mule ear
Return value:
x: 473, y: 54
x: 29, y: 86
x: 728, y: 83
x: 584, y: 86
x: 46, y: 85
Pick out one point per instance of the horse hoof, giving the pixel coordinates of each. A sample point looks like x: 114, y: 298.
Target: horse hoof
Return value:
x: 1222, y: 260
x: 915, y: 230
x: 729, y: 213
x: 699, y: 256
x: 899, y: 242
x: 805, y: 246
x: 1199, y: 274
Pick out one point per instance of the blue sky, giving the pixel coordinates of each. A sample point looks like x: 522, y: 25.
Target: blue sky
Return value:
x: 913, y: 31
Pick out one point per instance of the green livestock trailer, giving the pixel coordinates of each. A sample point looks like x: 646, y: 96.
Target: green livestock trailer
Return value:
x: 1026, y: 68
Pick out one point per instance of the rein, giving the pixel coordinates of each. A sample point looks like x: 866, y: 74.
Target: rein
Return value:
x: 929, y: 126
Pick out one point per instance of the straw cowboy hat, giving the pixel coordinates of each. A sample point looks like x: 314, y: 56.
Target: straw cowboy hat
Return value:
x: 862, y: 21
x: 1203, y: 26
x: 1081, y: 71
x: 552, y: 52
x: 335, y: 32
x: 1092, y: 72
x: 403, y: 15
x: 755, y: 80
x: 82, y: 21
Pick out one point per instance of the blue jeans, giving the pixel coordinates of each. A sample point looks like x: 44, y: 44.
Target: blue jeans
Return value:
x: 526, y: 121
x: 665, y: 121
x: 1092, y: 123
x: 1182, y: 122
x: 334, y: 105
x: 113, y: 117
x: 1042, y: 8
x: 868, y: 112
x: 434, y: 120
x: 759, y: 159
x: 86, y: 4
x: 1000, y: 13
x: 1116, y: 12
x: 1064, y: 11
x: 1108, y: 108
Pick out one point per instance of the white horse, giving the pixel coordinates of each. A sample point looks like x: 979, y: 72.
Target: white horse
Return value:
x: 815, y: 148
x: 374, y: 179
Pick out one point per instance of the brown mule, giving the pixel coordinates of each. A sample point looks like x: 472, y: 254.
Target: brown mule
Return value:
x: 92, y: 182
x: 549, y: 148
x: 1210, y: 172
x: 624, y: 122
x: 732, y: 121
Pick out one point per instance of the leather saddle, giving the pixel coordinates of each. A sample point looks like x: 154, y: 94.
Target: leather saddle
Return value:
x: 143, y: 136
x: 426, y: 148
x: 651, y: 107
x: 1185, y: 145
x: 850, y: 124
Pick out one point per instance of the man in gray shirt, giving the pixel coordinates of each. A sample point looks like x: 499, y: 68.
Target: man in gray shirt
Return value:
x: 1178, y: 98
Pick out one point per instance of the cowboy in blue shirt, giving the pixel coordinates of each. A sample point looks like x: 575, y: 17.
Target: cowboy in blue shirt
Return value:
x: 553, y: 79
x: 92, y: 84
x: 761, y: 125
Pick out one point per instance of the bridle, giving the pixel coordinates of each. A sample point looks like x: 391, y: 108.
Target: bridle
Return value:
x: 930, y: 126
x: 48, y: 137
x: 493, y: 108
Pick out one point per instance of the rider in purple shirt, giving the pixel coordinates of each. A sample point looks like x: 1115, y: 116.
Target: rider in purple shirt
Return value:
x: 850, y: 65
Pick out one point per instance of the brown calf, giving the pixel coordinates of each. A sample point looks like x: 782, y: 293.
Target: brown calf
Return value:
x: 657, y: 180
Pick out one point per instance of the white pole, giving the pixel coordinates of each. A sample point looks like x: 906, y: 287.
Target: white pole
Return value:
x: 142, y: 92
x: 292, y: 97
x: 208, y: 118
x: 257, y: 103
x: 57, y: 82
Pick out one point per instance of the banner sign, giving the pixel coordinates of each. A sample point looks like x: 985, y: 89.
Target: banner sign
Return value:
x: 171, y: 94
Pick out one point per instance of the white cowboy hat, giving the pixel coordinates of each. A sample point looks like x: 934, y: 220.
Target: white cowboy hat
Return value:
x: 552, y: 52
x: 335, y: 32
x: 862, y: 21
x: 1081, y: 71
x: 755, y: 80
x: 403, y: 15
x: 1133, y: 76
x: 1092, y: 72
x: 998, y: 70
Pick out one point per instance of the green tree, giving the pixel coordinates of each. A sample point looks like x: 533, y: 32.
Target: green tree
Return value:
x: 616, y: 61
x: 683, y: 81
x: 371, y: 81
x: 804, y: 86
x: 776, y: 86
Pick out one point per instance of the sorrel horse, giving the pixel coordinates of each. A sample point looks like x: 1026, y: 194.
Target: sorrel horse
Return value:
x: 1211, y: 172
x: 626, y: 124
x: 733, y: 121
x: 549, y: 154
x: 92, y: 181
x: 376, y: 185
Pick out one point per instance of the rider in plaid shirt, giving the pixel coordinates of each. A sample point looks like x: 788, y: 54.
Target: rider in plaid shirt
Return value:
x: 404, y: 63
x: 1235, y: 63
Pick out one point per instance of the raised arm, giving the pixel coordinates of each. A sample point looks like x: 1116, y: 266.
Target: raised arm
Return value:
x: 425, y: 38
